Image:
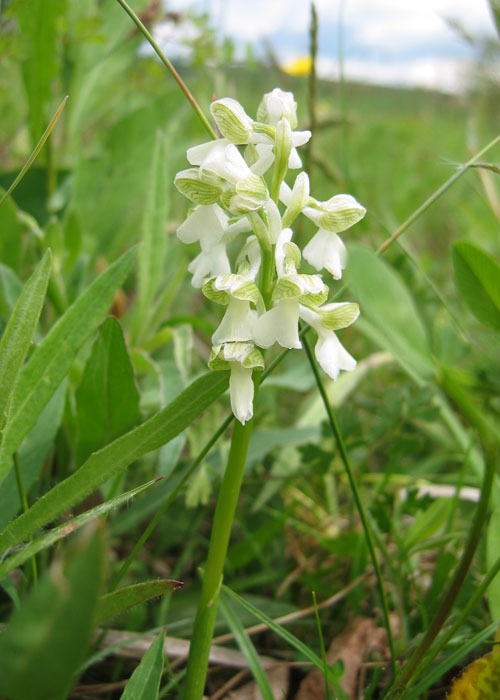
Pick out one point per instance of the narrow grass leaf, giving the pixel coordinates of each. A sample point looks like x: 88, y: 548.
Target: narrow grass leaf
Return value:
x: 113, y: 458
x: 144, y: 683
x: 53, y: 358
x: 49, y: 539
x: 107, y: 399
x: 387, y: 306
x: 112, y: 604
x: 45, y: 641
x: 247, y: 648
x: 33, y: 155
x: 151, y: 267
x: 288, y: 638
x: 477, y: 276
x: 18, y: 335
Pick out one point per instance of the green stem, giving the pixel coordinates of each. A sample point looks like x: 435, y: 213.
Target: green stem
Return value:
x: 435, y: 196
x: 490, y: 444
x: 168, y: 65
x: 357, y: 498
x: 204, y: 623
x: 167, y: 502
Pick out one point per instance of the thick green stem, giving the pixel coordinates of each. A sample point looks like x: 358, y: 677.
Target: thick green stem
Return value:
x: 212, y: 578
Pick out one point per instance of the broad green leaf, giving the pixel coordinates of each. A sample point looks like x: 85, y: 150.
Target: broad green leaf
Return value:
x: 144, y: 683
x: 48, y: 539
x: 107, y: 400
x: 114, y: 603
x: 388, y: 313
x: 52, y: 359
x: 477, y: 276
x: 18, y: 335
x: 113, y: 458
x: 151, y: 258
x: 492, y: 554
x: 39, y: 23
x: 32, y: 454
x: 45, y: 641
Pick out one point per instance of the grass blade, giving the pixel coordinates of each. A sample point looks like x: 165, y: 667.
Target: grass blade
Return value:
x: 19, y: 332
x: 248, y: 649
x: 144, y: 683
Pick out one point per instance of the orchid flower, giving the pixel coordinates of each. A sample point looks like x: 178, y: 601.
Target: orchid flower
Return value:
x: 248, y: 261
x: 330, y: 353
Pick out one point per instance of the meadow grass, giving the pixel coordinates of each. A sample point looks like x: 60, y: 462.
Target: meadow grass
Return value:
x: 385, y: 478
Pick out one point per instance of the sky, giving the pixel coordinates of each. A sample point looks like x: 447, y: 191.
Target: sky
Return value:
x: 394, y: 42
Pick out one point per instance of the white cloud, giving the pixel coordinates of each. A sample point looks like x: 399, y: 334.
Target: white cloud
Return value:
x: 380, y: 36
x: 443, y: 74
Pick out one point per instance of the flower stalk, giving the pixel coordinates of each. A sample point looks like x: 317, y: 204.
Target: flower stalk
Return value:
x: 199, y: 650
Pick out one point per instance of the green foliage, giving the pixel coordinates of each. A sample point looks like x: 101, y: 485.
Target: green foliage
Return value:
x: 478, y: 279
x: 144, y: 683
x: 104, y: 387
x: 107, y: 400
x: 47, y: 638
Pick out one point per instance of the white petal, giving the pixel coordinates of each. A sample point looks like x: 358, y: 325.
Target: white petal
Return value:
x: 326, y: 250
x: 278, y: 325
x: 205, y: 224
x: 265, y: 158
x: 241, y: 392
x: 220, y: 157
x: 332, y: 356
x: 237, y: 323
x: 209, y: 264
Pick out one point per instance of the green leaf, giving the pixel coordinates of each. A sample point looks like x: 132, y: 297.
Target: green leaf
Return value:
x: 477, y: 276
x: 39, y: 21
x: 113, y: 458
x: 151, y: 259
x: 32, y: 454
x: 11, y: 288
x: 52, y: 359
x: 11, y: 235
x: 45, y: 641
x: 19, y: 332
x: 48, y: 539
x: 492, y: 554
x: 388, y: 313
x: 427, y: 523
x: 118, y: 601
x: 144, y: 684
x: 107, y: 400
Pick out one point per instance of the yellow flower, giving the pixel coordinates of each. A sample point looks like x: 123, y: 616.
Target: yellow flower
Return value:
x: 299, y: 66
